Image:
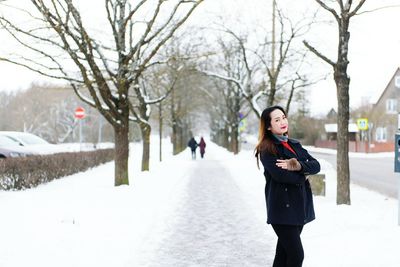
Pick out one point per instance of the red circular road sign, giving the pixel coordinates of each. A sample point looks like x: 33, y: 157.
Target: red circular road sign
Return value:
x: 79, y: 113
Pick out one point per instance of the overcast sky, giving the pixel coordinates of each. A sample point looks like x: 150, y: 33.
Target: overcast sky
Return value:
x: 374, y: 46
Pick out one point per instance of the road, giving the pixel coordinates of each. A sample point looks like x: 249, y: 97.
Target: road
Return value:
x: 373, y: 173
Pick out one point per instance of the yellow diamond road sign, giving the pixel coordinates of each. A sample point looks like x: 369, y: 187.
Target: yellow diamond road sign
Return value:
x: 362, y: 124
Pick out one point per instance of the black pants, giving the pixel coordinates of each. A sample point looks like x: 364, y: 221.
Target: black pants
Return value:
x: 289, y: 250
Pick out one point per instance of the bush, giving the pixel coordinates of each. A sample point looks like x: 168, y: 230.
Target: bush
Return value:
x: 28, y: 172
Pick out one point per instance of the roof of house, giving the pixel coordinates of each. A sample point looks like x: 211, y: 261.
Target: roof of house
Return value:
x: 388, y: 85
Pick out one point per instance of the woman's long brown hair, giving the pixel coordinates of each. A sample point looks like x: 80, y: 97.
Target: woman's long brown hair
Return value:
x: 265, y: 137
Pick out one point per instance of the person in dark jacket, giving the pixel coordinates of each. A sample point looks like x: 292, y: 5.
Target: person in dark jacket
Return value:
x: 202, y: 146
x: 287, y: 191
x: 193, y: 145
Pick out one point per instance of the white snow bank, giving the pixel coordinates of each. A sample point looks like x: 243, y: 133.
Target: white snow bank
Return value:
x: 83, y: 220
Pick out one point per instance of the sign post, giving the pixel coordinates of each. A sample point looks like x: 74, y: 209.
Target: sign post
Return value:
x: 362, y: 125
x: 80, y: 114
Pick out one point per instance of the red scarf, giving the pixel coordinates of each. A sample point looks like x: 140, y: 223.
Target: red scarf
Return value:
x: 285, y: 144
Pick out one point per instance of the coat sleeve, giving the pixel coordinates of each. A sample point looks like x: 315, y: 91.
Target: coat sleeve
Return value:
x: 278, y: 174
x: 310, y: 165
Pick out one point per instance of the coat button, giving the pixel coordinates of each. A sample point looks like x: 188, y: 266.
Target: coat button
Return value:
x: 285, y: 188
x: 287, y: 205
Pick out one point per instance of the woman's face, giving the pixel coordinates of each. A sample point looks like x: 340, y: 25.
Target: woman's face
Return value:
x: 279, y: 122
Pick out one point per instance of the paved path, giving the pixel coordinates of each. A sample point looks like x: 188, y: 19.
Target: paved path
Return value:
x: 212, y: 225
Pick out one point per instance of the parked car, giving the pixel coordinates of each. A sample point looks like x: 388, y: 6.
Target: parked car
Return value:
x: 30, y: 142
x: 23, y: 138
x: 11, y: 149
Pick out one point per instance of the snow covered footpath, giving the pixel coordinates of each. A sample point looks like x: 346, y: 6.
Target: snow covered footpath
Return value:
x: 83, y: 220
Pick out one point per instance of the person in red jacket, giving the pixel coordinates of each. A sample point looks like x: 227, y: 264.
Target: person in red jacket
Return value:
x: 288, y: 193
x: 202, y: 146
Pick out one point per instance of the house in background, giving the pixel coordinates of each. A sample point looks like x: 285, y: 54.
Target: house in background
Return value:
x: 331, y: 117
x: 382, y: 122
x: 329, y: 138
x: 383, y: 116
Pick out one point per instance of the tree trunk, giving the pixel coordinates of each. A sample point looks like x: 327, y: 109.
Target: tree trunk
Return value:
x: 272, y: 91
x: 160, y: 124
x: 235, y: 139
x: 343, y: 172
x: 184, y: 135
x: 176, y: 139
x: 146, y: 130
x: 235, y: 126
x: 121, y: 155
x: 342, y: 84
x: 226, y: 136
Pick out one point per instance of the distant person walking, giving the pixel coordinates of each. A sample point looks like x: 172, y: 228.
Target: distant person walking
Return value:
x: 287, y: 192
x: 202, y: 146
x: 193, y: 145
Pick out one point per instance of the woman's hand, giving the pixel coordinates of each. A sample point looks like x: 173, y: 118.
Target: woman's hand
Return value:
x: 289, y: 164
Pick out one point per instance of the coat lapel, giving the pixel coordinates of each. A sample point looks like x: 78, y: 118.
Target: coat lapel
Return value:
x: 286, y: 153
x: 297, y: 148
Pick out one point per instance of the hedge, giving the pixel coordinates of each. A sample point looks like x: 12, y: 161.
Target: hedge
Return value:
x: 28, y: 172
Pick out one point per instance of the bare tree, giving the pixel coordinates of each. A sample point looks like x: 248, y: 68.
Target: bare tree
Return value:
x: 64, y: 121
x: 243, y: 80
x: 184, y: 105
x: 104, y: 72
x: 47, y: 110
x: 159, y: 84
x: 342, y: 12
x: 226, y: 111
x: 179, y: 76
x: 228, y: 100
x: 279, y: 81
x: 4, y: 110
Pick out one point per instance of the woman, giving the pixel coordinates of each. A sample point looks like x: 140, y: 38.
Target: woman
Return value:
x: 202, y: 146
x: 287, y: 191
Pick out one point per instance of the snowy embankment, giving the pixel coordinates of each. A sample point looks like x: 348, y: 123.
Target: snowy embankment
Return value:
x: 364, y: 234
x: 76, y: 147
x: 83, y: 220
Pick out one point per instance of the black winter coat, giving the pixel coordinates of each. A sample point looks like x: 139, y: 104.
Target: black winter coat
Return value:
x: 288, y: 193
x: 192, y: 144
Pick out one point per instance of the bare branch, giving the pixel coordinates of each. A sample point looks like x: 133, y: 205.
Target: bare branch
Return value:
x: 354, y: 12
x: 38, y: 71
x: 169, y: 35
x: 317, y: 53
x: 377, y: 9
x: 331, y: 10
x: 222, y: 77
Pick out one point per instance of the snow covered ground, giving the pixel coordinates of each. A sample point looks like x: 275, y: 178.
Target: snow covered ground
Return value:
x: 204, y: 212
